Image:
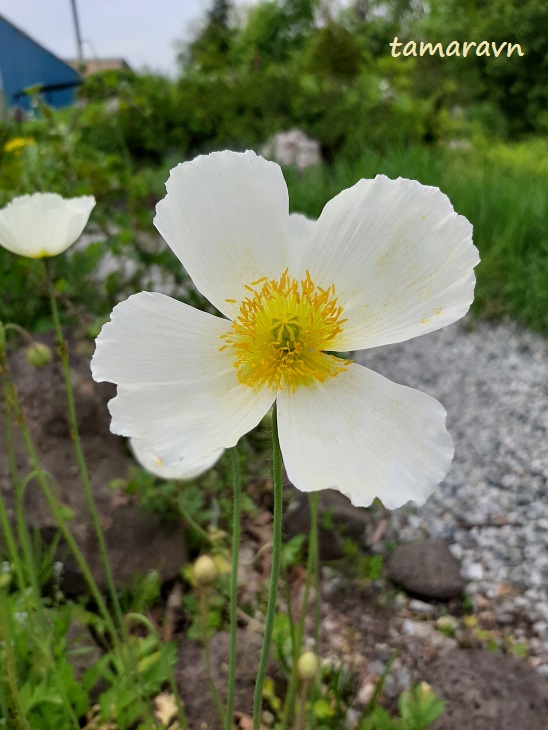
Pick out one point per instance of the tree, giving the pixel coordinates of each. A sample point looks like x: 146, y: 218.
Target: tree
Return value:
x: 517, y: 87
x: 210, y: 50
x: 275, y: 31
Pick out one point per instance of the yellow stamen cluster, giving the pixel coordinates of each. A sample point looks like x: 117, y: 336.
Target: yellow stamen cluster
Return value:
x: 281, y: 330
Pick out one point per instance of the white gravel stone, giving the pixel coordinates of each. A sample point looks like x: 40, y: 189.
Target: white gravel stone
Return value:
x: 474, y: 571
x: 492, y: 507
x: 421, y: 606
x: 365, y: 693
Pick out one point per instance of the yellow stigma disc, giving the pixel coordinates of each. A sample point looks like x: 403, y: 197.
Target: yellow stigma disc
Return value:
x: 280, y: 332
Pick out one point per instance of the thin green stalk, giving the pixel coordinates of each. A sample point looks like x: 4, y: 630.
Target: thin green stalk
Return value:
x: 28, y: 555
x: 274, y: 572
x: 63, y: 354
x: 138, y: 617
x: 10, y: 544
x: 4, y: 520
x: 4, y: 710
x: 10, y: 541
x: 202, y: 600
x: 115, y: 632
x: 313, y: 500
x: 13, y: 407
x: 292, y: 633
x: 11, y: 670
x: 311, y: 561
x: 52, y: 504
x: 20, y: 330
x: 301, y: 713
x: 22, y: 529
x: 24, y: 539
x: 191, y: 522
x: 236, y: 487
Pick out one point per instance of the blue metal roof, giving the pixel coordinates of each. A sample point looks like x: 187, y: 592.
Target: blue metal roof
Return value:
x: 25, y: 63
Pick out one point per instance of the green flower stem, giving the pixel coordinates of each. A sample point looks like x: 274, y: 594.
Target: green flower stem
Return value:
x: 11, y: 670
x: 22, y: 529
x: 4, y: 520
x: 289, y: 603
x: 13, y: 404
x: 63, y: 354
x: 274, y: 572
x: 54, y: 507
x: 191, y: 522
x: 11, y: 545
x: 301, y: 713
x: 139, y: 618
x: 236, y: 487
x: 313, y: 500
x: 311, y: 562
x: 24, y: 539
x: 203, y: 604
x: 20, y: 330
x: 28, y: 560
x: 32, y: 575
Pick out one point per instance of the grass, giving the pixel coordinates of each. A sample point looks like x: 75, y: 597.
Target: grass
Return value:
x: 502, y: 190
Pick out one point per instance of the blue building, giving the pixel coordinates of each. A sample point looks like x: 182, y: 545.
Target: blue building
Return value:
x: 24, y: 63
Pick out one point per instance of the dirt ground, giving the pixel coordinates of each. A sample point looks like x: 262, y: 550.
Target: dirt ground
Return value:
x: 363, y: 622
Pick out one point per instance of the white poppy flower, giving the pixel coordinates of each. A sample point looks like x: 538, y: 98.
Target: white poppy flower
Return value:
x: 387, y: 260
x: 43, y: 224
x: 187, y: 469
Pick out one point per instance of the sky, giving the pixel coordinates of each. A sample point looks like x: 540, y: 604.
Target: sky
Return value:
x: 142, y: 32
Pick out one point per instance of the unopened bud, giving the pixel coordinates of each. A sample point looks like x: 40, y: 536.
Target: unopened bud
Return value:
x: 66, y: 512
x: 38, y: 354
x: 307, y: 666
x: 425, y: 690
x: 205, y: 571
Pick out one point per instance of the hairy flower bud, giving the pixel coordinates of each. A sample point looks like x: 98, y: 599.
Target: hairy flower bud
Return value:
x: 205, y: 571
x: 307, y: 666
x: 38, y: 354
x: 425, y: 690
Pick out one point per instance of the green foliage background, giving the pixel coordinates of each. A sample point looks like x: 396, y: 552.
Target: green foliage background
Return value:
x: 475, y: 126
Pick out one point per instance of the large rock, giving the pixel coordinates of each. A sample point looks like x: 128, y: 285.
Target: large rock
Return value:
x: 426, y: 569
x: 338, y: 521
x: 293, y: 148
x: 137, y: 542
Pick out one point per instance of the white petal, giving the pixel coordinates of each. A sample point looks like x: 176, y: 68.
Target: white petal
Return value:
x: 188, y: 469
x: 43, y: 224
x: 401, y: 260
x: 226, y: 218
x: 300, y: 228
x: 176, y: 390
x: 365, y: 436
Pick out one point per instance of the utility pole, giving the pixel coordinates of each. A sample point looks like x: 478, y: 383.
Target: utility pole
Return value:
x: 78, y: 36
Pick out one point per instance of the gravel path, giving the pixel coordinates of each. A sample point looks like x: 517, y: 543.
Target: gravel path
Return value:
x: 492, y: 508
